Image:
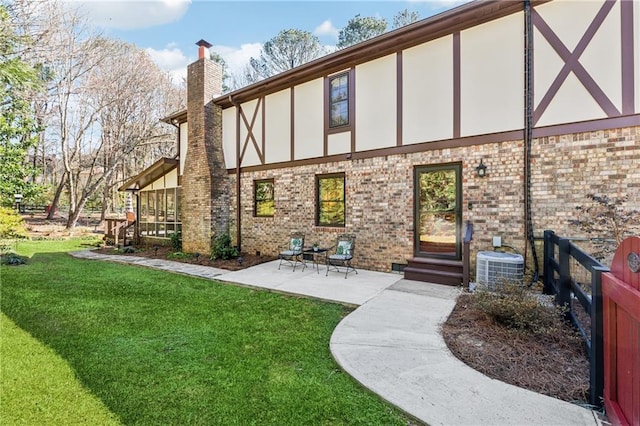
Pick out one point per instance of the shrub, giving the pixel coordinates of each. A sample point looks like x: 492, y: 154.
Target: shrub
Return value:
x: 12, y: 259
x: 222, y: 248
x: 519, y: 308
x: 176, y: 241
x: 11, y: 224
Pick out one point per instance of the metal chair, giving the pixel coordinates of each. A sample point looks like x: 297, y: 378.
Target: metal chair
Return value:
x: 293, y: 252
x: 345, y: 248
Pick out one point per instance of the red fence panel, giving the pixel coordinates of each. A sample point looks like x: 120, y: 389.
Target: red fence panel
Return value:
x: 621, y: 304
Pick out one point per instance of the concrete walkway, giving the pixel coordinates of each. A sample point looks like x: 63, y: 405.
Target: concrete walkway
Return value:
x: 392, y: 344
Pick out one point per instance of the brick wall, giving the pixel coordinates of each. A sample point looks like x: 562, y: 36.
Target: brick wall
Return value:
x: 205, y: 196
x: 379, y: 193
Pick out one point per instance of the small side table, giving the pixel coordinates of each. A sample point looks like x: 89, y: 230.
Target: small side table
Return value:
x: 313, y: 256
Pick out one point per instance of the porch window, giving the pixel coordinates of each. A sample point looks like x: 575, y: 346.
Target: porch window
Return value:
x: 263, y: 198
x: 330, y: 200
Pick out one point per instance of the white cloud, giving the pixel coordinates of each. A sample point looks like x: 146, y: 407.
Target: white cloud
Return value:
x: 122, y: 14
x: 326, y: 29
x: 237, y: 58
x: 172, y: 60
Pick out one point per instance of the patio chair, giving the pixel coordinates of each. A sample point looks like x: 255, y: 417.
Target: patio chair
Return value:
x: 344, y: 250
x: 293, y: 251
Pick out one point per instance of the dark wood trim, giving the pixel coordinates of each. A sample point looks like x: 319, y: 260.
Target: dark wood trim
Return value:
x: 352, y: 107
x: 572, y: 64
x: 292, y: 124
x: 588, y: 126
x: 325, y: 138
x: 250, y: 134
x: 399, y: 99
x: 514, y: 135
x: 456, y: 85
x: 628, y: 53
x: 394, y: 150
x: 455, y: 20
x: 264, y: 131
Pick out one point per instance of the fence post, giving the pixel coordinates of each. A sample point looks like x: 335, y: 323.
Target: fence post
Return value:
x: 596, y: 357
x: 563, y: 298
x: 547, y: 271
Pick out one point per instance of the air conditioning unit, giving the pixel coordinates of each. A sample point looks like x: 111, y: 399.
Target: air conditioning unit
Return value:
x: 493, y: 267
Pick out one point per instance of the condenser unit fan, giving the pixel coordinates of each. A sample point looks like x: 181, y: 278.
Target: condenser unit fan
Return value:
x: 493, y: 268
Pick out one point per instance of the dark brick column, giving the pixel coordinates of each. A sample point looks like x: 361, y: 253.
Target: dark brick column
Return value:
x: 205, y: 186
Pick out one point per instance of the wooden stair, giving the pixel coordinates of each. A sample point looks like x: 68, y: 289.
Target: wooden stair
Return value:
x: 432, y: 270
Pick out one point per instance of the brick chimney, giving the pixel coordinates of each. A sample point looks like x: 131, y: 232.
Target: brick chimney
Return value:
x: 205, y: 186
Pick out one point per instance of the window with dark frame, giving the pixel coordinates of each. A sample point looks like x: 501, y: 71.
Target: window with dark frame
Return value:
x: 263, y: 198
x: 330, y: 200
x: 339, y: 100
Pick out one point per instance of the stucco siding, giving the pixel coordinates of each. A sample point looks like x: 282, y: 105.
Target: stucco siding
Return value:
x: 375, y: 99
x: 229, y: 137
x: 278, y: 127
x: 170, y: 180
x: 636, y: 51
x: 427, y: 91
x: 601, y: 60
x: 492, y: 83
x: 308, y: 120
x: 339, y: 143
x: 253, y: 116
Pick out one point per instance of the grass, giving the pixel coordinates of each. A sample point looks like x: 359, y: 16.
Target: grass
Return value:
x: 160, y: 348
x: 39, y: 387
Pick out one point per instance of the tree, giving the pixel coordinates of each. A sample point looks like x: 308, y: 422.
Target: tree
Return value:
x: 360, y: 28
x: 289, y: 49
x: 18, y: 126
x: 103, y: 102
x: 215, y: 57
x: 405, y: 17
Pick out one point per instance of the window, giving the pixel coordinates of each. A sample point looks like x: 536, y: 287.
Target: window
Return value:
x: 263, y: 203
x: 330, y: 196
x: 339, y: 100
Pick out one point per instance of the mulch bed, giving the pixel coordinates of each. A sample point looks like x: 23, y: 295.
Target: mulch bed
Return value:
x: 555, y: 365
x: 167, y: 253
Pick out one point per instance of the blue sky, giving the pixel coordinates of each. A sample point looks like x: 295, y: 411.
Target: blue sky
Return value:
x: 168, y: 29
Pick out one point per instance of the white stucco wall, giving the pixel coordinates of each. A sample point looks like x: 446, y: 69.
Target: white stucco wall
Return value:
x: 427, y: 91
x: 308, y: 119
x: 229, y: 137
x: 636, y: 42
x: 491, y: 74
x: 278, y: 127
x: 375, y: 101
x: 601, y: 59
x: 252, y: 112
x: 339, y: 143
x: 170, y: 180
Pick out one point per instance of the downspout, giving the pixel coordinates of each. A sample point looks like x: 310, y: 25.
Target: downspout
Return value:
x: 238, y: 160
x: 528, y: 135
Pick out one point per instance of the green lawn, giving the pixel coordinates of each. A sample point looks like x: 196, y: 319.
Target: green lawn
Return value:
x: 160, y: 348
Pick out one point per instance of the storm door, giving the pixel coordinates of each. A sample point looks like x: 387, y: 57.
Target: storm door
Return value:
x: 437, y: 211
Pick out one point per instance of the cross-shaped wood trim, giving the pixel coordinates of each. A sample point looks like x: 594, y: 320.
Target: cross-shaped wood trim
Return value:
x: 249, y: 127
x: 572, y: 63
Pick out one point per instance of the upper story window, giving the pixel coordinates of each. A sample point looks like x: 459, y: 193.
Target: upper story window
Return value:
x: 264, y: 204
x: 330, y: 200
x: 339, y: 100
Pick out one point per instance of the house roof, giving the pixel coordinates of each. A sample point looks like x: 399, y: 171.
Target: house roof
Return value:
x: 176, y: 118
x: 449, y: 22
x: 152, y: 173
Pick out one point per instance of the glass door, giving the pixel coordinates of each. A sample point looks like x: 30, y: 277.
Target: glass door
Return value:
x: 438, y: 213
